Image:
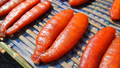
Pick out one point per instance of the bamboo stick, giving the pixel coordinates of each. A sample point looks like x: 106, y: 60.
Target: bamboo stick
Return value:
x: 16, y: 56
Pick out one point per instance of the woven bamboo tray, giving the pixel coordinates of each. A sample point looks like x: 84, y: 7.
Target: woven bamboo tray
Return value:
x: 23, y: 42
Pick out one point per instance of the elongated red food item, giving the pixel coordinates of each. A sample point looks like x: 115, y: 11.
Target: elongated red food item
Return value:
x: 49, y: 32
x: 7, y: 7
x: 3, y: 2
x: 15, y: 14
x: 67, y: 38
x: 77, y: 2
x: 115, y: 10
x: 111, y: 58
x: 96, y: 47
x: 29, y: 17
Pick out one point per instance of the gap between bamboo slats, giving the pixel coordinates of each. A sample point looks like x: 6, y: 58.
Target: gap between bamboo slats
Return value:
x: 105, y: 7
x: 103, y: 2
x: 109, y: 1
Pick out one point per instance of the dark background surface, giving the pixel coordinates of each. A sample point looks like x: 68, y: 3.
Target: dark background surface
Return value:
x: 6, y: 61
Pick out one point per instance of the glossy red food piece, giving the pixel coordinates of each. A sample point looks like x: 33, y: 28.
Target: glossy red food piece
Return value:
x: 49, y: 32
x: 111, y: 58
x: 96, y: 47
x: 29, y: 17
x: 15, y: 14
x: 7, y: 7
x: 67, y: 39
x: 2, y: 2
x: 77, y: 2
x: 115, y: 10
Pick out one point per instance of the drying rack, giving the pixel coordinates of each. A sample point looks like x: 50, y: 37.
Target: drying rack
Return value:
x: 21, y: 44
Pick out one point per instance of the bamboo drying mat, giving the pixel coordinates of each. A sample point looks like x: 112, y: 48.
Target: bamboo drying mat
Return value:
x: 23, y: 42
